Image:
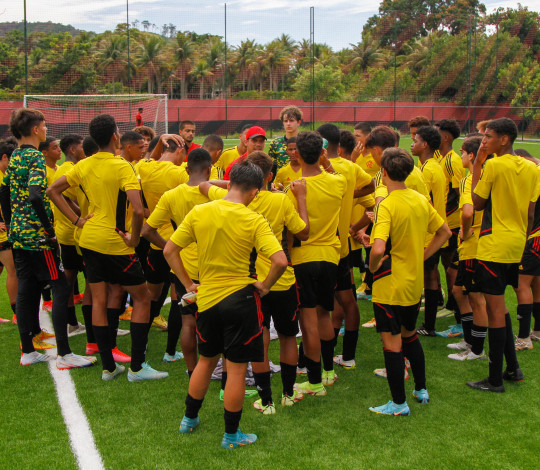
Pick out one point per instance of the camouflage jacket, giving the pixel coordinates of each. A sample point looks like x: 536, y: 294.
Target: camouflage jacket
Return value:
x: 278, y: 152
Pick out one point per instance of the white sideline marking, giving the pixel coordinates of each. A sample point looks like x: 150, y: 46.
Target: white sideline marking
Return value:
x: 80, y: 435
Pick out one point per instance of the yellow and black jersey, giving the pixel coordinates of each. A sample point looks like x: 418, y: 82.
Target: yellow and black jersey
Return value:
x: 535, y: 230
x: 226, y: 158
x: 63, y: 227
x: 368, y: 164
x: 454, y: 172
x: 414, y: 181
x: 286, y: 175
x: 467, y: 249
x: 509, y: 184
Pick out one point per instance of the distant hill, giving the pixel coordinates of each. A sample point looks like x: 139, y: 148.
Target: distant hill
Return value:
x: 37, y: 27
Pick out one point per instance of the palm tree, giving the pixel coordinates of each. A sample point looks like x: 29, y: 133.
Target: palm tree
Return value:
x: 200, y: 72
x: 365, y: 54
x: 416, y: 55
x: 148, y: 58
x: 112, y: 55
x: 273, y: 56
x: 243, y: 58
x: 184, y: 50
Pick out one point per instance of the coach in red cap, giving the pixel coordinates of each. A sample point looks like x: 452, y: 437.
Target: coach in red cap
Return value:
x: 255, y: 140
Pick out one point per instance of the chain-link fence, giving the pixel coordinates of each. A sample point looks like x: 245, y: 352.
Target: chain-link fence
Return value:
x: 241, y: 65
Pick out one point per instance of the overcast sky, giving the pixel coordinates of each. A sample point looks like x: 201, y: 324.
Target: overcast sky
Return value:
x: 337, y: 22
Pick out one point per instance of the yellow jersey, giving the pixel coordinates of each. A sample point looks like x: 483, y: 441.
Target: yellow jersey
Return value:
x: 286, y: 175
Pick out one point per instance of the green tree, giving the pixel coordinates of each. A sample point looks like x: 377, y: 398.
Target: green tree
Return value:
x: 327, y: 84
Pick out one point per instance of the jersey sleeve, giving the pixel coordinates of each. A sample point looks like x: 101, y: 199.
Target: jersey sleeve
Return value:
x: 73, y: 176
x: 293, y: 222
x: 215, y: 192
x: 381, y: 223
x: 161, y: 214
x: 465, y: 196
x: 366, y: 201
x: 184, y: 235
x: 362, y: 178
x: 435, y: 221
x: 380, y: 188
x: 128, y: 178
x: 457, y: 170
x: 279, y: 179
x: 214, y: 173
x: 483, y: 188
x: 37, y: 175
x: 265, y: 241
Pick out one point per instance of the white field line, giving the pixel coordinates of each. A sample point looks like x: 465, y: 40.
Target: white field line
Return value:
x: 80, y: 435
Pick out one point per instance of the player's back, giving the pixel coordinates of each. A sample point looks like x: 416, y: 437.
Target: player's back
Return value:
x: 157, y: 177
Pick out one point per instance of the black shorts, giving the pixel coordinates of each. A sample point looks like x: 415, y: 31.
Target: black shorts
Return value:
x: 233, y: 327
x: 39, y: 265
x: 492, y: 278
x: 190, y: 309
x: 141, y: 250
x: 452, y: 241
x: 343, y: 275
x: 357, y: 259
x: 390, y: 318
x: 114, y: 269
x: 530, y: 262
x: 465, y: 276
x: 70, y: 258
x: 157, y: 269
x: 5, y: 245
x: 432, y: 262
x: 316, y: 284
x: 283, y: 306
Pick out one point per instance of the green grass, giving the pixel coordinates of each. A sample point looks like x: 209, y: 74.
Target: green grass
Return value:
x: 136, y: 425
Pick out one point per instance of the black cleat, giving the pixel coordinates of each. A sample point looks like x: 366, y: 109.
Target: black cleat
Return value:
x: 513, y: 376
x: 423, y: 331
x: 486, y: 386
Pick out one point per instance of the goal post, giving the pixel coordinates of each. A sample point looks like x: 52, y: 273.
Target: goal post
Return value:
x: 72, y: 113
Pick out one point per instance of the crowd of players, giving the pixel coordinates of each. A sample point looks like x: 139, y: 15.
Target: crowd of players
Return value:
x: 241, y: 238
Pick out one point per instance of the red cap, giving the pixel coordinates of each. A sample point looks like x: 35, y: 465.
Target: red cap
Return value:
x: 255, y: 131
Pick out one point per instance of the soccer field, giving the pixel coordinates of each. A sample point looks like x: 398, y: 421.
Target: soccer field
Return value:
x: 135, y: 425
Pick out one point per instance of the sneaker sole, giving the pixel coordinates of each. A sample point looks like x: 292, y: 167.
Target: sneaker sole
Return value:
x: 393, y: 414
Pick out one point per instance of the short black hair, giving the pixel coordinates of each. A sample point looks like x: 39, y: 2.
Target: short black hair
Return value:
x: 45, y: 144
x: 145, y: 131
x: 198, y: 160
x: 130, y: 138
x: 504, y: 126
x: 309, y: 145
x: 471, y: 144
x: 8, y: 146
x: 291, y: 140
x: 449, y: 125
x: 398, y: 163
x: 330, y: 132
x: 140, y: 109
x: 245, y: 127
x: 102, y: 128
x: 431, y: 136
x: 68, y: 140
x: 152, y: 144
x: 419, y: 121
x: 365, y: 127
x: 186, y: 123
x: 262, y: 160
x: 246, y: 176
x: 381, y: 136
x: 173, y: 147
x: 347, y: 141
x: 89, y: 146
x: 22, y: 121
x: 213, y: 142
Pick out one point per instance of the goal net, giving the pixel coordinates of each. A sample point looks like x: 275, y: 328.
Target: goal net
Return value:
x: 72, y: 113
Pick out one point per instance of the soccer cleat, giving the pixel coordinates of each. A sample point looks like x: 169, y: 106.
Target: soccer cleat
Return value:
x: 535, y: 335
x: 76, y: 330
x: 523, y: 344
x: 250, y: 393
x: 44, y: 334
x: 423, y: 331
x: 382, y: 373
x: 34, y: 358
x: 467, y: 355
x: 452, y: 332
x: 188, y: 425
x: 422, y: 396
x: 364, y: 296
x: 361, y: 289
x: 161, y: 323
x: 513, y: 376
x: 349, y: 365
x: 176, y: 357
x: 230, y: 441
x: 146, y: 373
x: 329, y: 377
x: 392, y: 409
x: 269, y: 409
x: 301, y: 371
x: 38, y: 344
x: 286, y: 400
x: 3, y: 320
x: 462, y: 346
x: 407, y: 364
x: 92, y: 348
x: 486, y: 386
x: 317, y: 390
x: 73, y: 361
x: 47, y: 305
x: 120, y: 356
x: 341, y: 331
x: 221, y: 394
x: 121, y: 332
x: 14, y: 319
x: 106, y: 375
x: 127, y: 314
x: 78, y: 298
x: 370, y: 324
x: 444, y: 312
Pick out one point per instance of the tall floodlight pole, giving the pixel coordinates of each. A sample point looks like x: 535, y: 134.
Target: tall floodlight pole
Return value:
x: 312, y: 61
x: 225, y: 81
x: 128, y: 48
x: 25, y: 52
